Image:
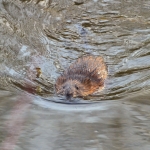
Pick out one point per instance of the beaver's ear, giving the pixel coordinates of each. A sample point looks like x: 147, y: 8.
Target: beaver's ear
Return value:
x: 87, y: 81
x: 56, y: 87
x: 59, y: 83
x: 61, y: 80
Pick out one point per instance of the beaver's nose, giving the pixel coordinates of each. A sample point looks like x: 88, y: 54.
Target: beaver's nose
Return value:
x: 69, y: 95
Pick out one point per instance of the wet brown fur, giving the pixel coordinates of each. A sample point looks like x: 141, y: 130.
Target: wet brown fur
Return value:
x: 84, y: 77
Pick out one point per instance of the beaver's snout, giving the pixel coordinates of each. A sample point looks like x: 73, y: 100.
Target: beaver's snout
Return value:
x: 68, y: 92
x: 69, y: 96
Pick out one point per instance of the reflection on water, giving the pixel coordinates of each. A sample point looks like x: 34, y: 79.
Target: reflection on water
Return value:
x: 106, y: 125
x: 39, y: 39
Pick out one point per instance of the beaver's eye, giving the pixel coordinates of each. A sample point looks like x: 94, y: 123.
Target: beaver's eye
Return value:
x: 76, y: 87
x: 63, y: 87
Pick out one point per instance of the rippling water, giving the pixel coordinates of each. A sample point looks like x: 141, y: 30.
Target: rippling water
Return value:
x: 43, y: 38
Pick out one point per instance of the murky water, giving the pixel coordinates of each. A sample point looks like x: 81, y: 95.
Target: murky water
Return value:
x: 50, y: 35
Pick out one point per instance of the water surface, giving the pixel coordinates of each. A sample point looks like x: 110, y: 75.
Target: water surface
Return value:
x: 50, y: 35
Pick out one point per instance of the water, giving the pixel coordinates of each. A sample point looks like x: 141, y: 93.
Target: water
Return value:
x: 50, y: 35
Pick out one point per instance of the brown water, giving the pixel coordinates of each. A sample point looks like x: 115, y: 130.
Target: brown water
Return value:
x: 50, y: 35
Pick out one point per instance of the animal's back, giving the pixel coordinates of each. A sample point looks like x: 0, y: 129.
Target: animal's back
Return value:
x: 89, y: 65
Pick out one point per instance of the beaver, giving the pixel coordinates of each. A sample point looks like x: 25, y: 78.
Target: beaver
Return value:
x: 84, y: 77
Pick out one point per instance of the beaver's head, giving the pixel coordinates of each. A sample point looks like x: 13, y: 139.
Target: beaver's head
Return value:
x: 75, y: 88
x: 70, y: 88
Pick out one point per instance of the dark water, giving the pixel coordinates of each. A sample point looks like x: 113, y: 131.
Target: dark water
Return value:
x: 50, y: 35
